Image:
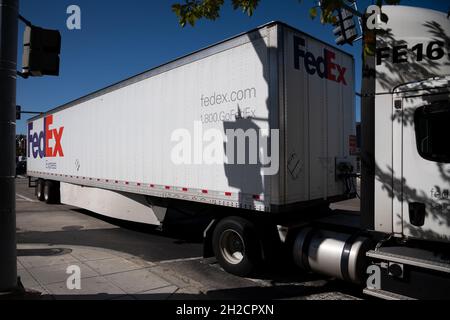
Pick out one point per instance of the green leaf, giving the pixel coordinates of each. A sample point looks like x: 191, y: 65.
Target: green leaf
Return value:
x: 313, y: 13
x: 189, y: 11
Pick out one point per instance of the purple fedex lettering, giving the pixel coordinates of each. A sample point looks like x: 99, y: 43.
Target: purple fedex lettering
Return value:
x: 33, y: 143
x: 30, y: 139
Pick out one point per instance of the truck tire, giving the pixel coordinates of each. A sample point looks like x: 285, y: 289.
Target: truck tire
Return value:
x: 39, y: 190
x: 51, y: 192
x: 236, y: 246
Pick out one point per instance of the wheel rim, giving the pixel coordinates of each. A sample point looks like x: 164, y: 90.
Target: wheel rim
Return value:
x: 232, y: 247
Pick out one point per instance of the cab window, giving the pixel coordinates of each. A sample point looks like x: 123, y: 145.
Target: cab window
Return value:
x: 432, y: 124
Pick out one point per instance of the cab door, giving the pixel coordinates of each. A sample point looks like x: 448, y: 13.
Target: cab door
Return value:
x: 421, y: 157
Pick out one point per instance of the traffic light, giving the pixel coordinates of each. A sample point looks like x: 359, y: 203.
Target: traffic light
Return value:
x: 345, y: 28
x: 41, y: 52
x: 18, y: 112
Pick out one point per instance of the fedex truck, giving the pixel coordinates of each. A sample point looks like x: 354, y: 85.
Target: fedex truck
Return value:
x: 257, y: 134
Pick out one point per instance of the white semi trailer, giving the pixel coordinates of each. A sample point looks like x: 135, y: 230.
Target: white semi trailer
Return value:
x: 257, y: 134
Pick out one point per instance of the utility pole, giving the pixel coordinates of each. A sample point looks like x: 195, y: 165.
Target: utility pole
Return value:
x: 9, y: 11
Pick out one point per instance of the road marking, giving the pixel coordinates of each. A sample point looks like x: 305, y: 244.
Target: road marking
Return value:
x: 24, y: 198
x: 179, y: 260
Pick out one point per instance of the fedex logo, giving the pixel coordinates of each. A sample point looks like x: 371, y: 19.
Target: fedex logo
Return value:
x: 325, y: 67
x: 39, y: 142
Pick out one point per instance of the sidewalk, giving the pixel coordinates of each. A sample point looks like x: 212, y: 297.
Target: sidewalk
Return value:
x: 105, y: 275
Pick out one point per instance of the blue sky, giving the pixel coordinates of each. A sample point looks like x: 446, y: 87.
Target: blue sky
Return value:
x: 119, y: 39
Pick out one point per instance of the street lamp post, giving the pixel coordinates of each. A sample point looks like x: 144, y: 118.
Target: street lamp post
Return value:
x: 8, y: 73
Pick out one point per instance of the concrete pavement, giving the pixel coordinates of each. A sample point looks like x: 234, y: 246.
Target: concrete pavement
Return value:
x: 104, y: 274
x: 114, y: 262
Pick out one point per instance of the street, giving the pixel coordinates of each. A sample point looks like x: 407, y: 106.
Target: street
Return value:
x: 120, y: 260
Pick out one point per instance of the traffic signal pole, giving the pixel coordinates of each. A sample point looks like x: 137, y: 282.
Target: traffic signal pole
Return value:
x: 8, y: 74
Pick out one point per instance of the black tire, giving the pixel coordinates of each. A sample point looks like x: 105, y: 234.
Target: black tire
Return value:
x: 39, y: 191
x: 240, y: 260
x: 51, y: 192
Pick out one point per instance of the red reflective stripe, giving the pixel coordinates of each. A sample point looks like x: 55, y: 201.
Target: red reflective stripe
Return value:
x: 152, y: 186
x: 167, y: 188
x: 205, y: 191
x: 127, y: 183
x: 138, y: 184
x: 185, y: 189
x: 257, y: 197
x: 228, y: 194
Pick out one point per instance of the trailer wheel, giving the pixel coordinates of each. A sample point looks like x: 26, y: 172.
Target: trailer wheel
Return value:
x: 236, y: 246
x: 51, y: 192
x: 39, y: 190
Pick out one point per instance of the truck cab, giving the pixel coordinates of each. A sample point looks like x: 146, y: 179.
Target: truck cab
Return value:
x: 406, y: 122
